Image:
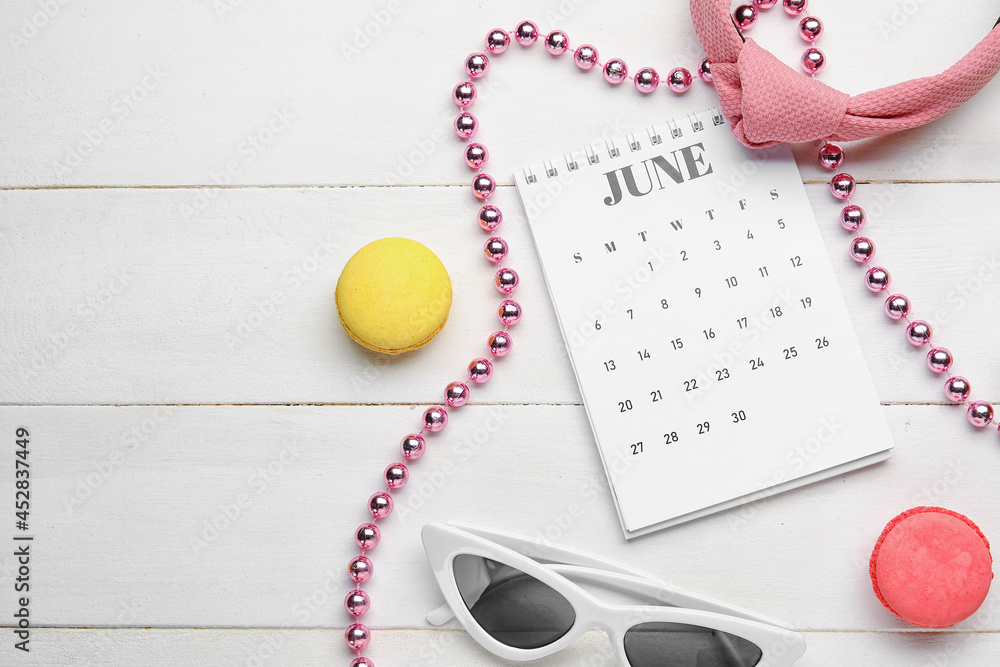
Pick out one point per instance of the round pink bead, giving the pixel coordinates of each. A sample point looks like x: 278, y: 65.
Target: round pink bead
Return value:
x: 358, y: 636
x: 456, y: 394
x: 490, y: 217
x: 476, y: 155
x: 526, y: 33
x: 368, y: 536
x: 396, y: 475
x: 464, y: 94
x: 360, y: 569
x: 509, y: 312
x: 412, y: 446
x: 435, y: 419
x: 506, y: 280
x: 810, y: 28
x: 615, y: 71
x: 831, y: 156
x: 852, y: 217
x: 794, y: 7
x: 380, y: 505
x: 679, y: 80
x: 980, y: 414
x: 646, y: 80
x: 842, y: 185
x: 497, y: 41
x: 897, y: 307
x: 939, y: 359
x: 813, y: 61
x: 705, y: 70
x: 362, y: 662
x: 745, y: 16
x: 500, y: 344
x: 483, y: 186
x: 357, y: 602
x: 919, y: 333
x: 765, y: 4
x: 495, y: 249
x: 586, y: 57
x: 957, y: 388
x: 476, y: 65
x: 480, y: 370
x: 466, y: 125
x: 556, y: 42
x: 862, y: 249
x: 877, y: 279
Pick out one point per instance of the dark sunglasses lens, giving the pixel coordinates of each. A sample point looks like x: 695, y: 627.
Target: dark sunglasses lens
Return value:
x: 512, y: 607
x: 682, y: 645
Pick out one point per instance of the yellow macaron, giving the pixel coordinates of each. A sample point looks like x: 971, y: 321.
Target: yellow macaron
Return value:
x: 393, y: 296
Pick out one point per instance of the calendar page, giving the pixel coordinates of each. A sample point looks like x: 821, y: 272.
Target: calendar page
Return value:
x: 710, y: 340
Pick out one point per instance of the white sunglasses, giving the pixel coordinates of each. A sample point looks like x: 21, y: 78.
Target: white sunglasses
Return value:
x: 518, y: 599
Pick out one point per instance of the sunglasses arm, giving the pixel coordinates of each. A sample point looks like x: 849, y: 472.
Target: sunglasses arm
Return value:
x: 642, y: 586
x: 656, y: 590
x: 543, y: 550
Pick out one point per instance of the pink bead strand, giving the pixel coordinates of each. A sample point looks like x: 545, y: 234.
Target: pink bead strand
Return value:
x: 435, y: 418
x: 897, y: 306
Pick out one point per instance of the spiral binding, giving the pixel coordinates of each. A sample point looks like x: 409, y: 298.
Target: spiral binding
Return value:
x: 594, y: 156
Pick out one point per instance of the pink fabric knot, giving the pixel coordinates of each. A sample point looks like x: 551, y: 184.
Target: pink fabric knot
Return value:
x: 767, y: 102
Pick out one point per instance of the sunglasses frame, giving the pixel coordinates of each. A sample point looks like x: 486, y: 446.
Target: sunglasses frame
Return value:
x: 556, y: 566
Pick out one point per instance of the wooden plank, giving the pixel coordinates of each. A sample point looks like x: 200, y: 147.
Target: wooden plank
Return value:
x: 248, y: 93
x: 256, y: 647
x: 115, y: 298
x: 219, y: 516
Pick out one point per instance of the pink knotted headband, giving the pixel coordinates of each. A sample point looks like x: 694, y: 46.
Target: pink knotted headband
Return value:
x: 767, y: 102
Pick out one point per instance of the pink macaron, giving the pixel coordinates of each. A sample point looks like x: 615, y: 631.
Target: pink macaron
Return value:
x: 931, y: 567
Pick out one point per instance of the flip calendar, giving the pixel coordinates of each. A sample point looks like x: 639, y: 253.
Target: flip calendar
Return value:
x: 711, y: 343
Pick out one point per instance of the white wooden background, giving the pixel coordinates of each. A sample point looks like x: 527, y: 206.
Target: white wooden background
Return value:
x: 180, y: 185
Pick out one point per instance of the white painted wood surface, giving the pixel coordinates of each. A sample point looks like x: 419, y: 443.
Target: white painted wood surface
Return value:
x: 172, y: 344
